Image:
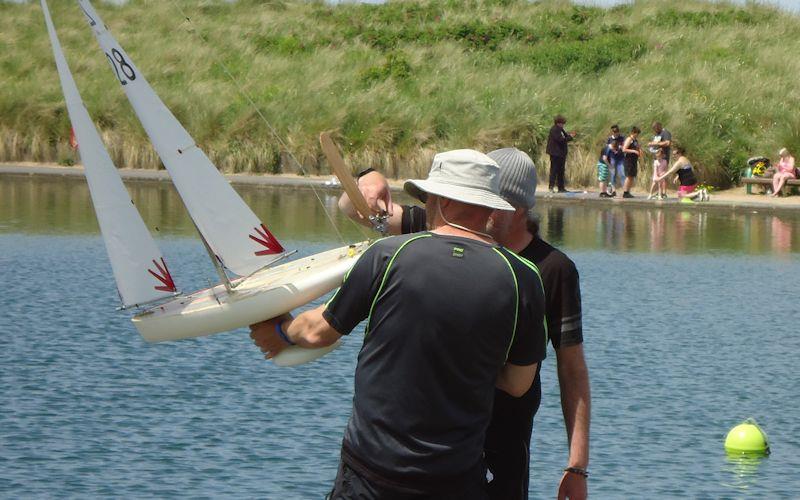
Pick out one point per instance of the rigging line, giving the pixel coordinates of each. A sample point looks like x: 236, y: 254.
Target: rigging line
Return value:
x: 269, y: 125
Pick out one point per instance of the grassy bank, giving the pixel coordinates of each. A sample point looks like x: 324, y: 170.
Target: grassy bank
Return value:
x: 400, y: 81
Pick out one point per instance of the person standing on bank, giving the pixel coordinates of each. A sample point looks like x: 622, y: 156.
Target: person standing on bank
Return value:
x: 632, y: 152
x: 615, y: 135
x: 613, y: 157
x: 661, y: 144
x: 508, y: 436
x: 617, y: 167
x: 557, y: 142
x: 662, y: 138
x: 435, y: 345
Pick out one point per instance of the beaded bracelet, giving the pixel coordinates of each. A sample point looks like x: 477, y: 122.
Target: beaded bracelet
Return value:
x: 577, y: 470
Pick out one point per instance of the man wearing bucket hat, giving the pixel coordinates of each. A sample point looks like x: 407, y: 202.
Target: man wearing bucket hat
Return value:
x: 508, y: 436
x: 436, y: 345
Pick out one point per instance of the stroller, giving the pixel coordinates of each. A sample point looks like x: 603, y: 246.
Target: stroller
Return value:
x: 758, y: 166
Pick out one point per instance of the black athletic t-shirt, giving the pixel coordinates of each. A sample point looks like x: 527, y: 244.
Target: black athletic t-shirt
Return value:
x: 509, y: 433
x: 508, y: 436
x: 562, y: 293
x: 444, y: 314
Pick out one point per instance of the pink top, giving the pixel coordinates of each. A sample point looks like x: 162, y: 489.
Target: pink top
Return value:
x: 786, y: 165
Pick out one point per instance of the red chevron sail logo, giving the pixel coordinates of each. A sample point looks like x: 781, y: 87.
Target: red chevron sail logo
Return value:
x: 163, y: 276
x: 266, y: 240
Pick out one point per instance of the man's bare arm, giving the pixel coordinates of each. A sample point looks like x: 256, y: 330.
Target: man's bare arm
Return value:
x: 309, y: 330
x: 376, y: 191
x: 573, y: 379
x: 626, y: 149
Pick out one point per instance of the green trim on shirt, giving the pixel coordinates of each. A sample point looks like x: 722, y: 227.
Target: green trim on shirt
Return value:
x: 541, y: 283
x: 385, y: 276
x: 516, y: 299
x: 347, y: 274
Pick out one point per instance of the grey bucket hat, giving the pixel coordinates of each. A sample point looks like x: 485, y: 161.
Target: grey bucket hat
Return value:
x: 463, y: 175
x: 517, y: 177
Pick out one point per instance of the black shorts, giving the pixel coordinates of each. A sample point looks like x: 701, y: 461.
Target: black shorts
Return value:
x: 631, y: 167
x: 508, y: 441
x: 350, y: 485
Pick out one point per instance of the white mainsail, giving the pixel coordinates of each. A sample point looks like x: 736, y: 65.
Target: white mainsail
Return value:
x: 139, y: 269
x: 233, y: 232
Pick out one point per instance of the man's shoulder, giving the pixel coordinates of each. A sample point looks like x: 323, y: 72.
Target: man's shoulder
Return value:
x: 517, y: 260
x: 393, y: 243
x: 527, y: 276
x: 547, y: 257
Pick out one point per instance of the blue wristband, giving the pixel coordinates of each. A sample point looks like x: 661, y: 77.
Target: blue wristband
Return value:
x: 282, y: 334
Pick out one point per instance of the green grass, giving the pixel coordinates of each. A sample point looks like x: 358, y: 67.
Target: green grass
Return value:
x: 400, y: 81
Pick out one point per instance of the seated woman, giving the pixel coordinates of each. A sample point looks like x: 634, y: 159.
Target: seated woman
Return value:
x: 784, y: 170
x: 687, y: 180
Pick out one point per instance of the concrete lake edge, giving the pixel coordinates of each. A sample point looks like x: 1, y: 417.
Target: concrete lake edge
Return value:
x: 734, y: 199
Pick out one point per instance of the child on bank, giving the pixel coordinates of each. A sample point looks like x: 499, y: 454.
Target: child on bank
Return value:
x: 659, y: 168
x: 604, y: 164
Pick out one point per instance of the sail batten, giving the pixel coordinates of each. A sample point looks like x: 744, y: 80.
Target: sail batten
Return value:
x: 139, y: 268
x: 227, y: 224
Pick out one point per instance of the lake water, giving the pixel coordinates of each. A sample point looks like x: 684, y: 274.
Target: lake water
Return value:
x: 690, y: 317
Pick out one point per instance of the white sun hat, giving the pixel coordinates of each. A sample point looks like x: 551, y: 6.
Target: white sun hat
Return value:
x: 463, y: 175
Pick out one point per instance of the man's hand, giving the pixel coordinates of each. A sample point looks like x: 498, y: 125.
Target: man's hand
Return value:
x: 572, y: 486
x: 265, y: 336
x: 376, y: 191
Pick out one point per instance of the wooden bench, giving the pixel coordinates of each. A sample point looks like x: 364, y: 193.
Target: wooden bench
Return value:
x: 749, y: 181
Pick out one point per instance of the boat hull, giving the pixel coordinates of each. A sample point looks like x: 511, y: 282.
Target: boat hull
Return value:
x: 266, y: 294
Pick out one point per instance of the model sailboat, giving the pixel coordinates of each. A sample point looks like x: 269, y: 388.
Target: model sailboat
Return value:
x: 236, y: 240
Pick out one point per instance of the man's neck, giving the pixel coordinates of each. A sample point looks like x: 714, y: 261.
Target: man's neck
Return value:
x: 518, y: 239
x: 446, y: 229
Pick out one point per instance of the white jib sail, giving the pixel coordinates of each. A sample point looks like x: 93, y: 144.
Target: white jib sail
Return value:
x: 236, y: 236
x: 139, y: 269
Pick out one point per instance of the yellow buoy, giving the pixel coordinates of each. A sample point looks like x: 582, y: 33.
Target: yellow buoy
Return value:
x: 747, y: 438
